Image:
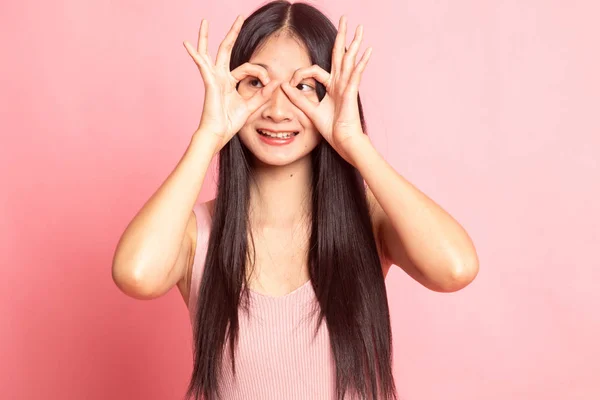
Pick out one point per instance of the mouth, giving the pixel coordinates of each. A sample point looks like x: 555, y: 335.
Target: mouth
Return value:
x: 277, y: 135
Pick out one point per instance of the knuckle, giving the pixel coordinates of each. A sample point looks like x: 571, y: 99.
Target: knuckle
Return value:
x: 225, y: 45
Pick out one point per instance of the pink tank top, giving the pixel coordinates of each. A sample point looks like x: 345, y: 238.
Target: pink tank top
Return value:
x: 277, y: 356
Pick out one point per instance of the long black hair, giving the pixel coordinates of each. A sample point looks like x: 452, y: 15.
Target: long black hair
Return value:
x: 344, y: 265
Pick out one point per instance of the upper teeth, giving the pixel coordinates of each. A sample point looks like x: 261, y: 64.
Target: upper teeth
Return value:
x: 277, y: 135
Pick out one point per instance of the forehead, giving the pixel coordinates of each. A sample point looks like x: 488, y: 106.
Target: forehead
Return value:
x: 282, y: 54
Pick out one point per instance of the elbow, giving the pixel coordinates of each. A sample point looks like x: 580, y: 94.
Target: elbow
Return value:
x: 133, y: 281
x: 462, y: 274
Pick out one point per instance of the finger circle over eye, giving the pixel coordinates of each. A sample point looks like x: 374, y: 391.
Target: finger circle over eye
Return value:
x: 249, y: 69
x: 297, y: 76
x: 314, y: 71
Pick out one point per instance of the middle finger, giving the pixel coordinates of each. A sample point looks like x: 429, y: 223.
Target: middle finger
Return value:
x: 350, y: 57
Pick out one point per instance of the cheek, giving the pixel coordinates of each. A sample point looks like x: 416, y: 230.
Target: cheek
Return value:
x: 306, y: 122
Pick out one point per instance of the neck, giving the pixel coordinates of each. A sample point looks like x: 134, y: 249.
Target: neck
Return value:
x: 280, y: 196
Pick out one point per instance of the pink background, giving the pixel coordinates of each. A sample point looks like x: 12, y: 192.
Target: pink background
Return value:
x: 489, y: 107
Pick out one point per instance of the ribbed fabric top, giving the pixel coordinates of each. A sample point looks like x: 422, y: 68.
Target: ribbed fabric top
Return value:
x: 278, y: 355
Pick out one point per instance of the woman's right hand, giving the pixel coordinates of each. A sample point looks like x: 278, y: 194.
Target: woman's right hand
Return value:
x: 225, y: 111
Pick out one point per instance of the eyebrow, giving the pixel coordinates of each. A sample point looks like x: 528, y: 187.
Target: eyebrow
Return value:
x: 263, y: 65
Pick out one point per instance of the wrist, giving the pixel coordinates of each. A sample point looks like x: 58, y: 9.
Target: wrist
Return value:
x: 206, y: 140
x: 356, y: 147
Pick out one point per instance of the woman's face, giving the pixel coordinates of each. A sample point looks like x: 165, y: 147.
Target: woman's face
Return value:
x: 281, y: 55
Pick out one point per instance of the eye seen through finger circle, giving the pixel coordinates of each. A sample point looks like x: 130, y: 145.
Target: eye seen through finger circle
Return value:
x: 255, y: 83
x: 305, y: 87
x: 249, y: 85
x: 251, y: 82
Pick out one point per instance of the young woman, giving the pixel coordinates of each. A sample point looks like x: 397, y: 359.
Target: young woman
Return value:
x: 283, y: 272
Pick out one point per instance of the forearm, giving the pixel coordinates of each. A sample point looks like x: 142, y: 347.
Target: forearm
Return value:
x: 150, y: 244
x: 432, y: 239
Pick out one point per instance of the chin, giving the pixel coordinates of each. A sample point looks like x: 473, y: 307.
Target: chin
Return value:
x: 269, y: 161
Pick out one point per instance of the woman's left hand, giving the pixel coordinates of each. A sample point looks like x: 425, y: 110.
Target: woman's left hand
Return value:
x: 336, y: 116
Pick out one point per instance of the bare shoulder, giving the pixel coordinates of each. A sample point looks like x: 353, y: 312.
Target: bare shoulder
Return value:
x: 188, y: 251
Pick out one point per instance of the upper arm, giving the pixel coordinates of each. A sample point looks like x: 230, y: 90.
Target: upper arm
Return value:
x: 142, y: 284
x: 376, y: 223
x: 183, y: 265
x: 392, y: 252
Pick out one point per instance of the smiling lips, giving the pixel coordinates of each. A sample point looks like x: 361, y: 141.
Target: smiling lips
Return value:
x: 277, y: 134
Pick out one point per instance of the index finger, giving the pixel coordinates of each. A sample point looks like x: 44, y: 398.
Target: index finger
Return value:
x: 224, y: 52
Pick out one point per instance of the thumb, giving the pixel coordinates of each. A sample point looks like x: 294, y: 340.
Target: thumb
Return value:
x: 305, y: 105
x: 259, y: 98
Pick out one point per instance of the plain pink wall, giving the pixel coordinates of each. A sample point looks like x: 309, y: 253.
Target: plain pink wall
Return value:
x: 491, y: 108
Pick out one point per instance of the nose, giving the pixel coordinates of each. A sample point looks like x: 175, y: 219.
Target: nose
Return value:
x: 278, y: 108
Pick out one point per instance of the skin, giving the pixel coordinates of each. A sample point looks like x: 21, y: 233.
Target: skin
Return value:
x: 276, y: 92
x: 278, y: 204
x: 283, y: 172
x: 279, y: 210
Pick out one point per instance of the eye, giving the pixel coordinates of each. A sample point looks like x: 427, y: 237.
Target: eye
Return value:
x: 304, y: 87
x: 255, y: 82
